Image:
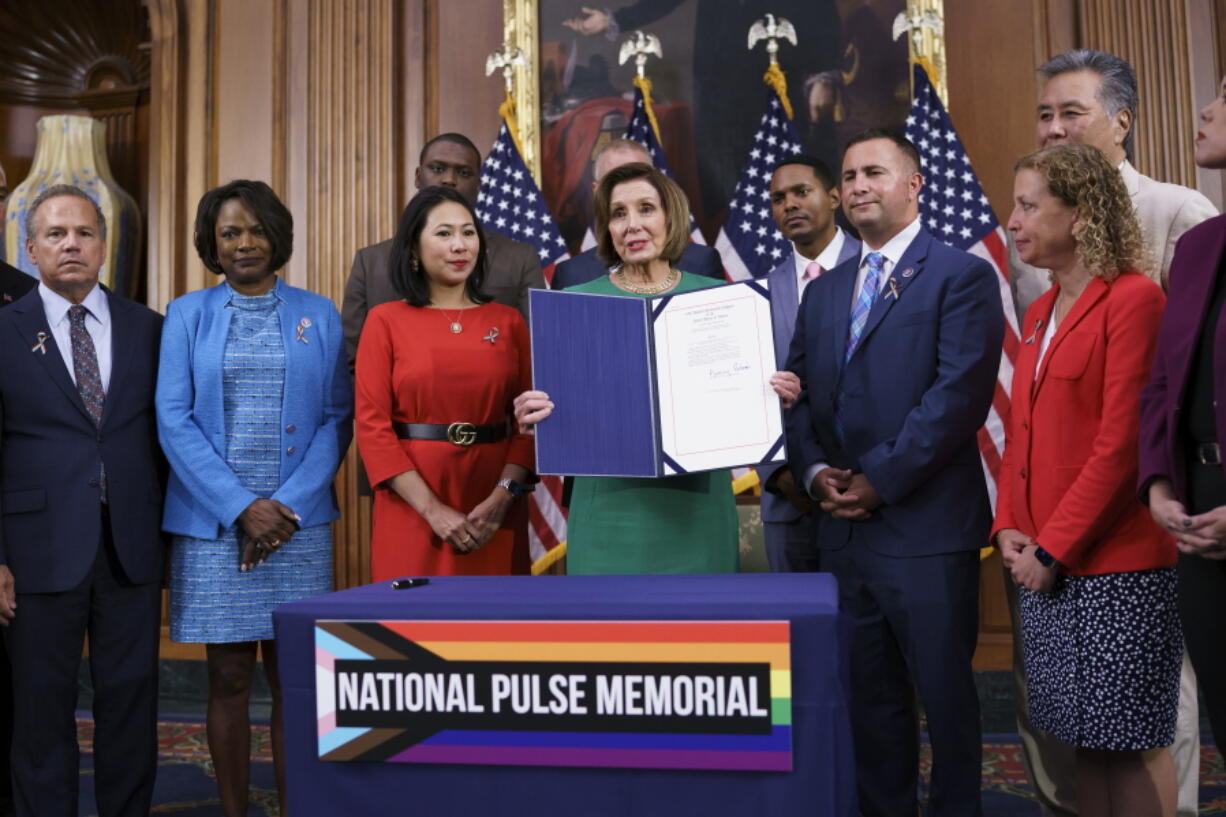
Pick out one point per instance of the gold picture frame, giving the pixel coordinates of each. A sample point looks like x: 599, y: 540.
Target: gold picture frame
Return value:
x: 521, y: 27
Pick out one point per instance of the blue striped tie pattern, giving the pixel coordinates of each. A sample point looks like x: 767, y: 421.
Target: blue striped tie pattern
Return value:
x: 85, y: 370
x: 859, y: 318
x: 864, y: 302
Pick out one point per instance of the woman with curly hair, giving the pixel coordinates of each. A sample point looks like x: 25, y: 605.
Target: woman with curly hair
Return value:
x: 1095, y: 575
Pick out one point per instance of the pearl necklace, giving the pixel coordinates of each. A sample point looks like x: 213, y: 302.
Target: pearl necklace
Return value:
x: 650, y: 289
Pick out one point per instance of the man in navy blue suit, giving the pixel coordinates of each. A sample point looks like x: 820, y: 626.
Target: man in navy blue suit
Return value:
x: 804, y: 198
x: 696, y: 259
x: 80, y: 544
x: 897, y: 352
x: 13, y: 284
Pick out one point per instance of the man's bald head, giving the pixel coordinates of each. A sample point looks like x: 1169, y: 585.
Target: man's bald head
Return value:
x: 616, y: 153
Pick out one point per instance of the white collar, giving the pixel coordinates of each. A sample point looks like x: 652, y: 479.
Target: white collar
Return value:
x: 1132, y: 177
x: 896, y: 246
x: 828, y: 258
x: 56, y: 306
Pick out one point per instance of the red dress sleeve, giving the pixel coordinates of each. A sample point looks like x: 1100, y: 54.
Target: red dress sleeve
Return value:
x: 374, y: 398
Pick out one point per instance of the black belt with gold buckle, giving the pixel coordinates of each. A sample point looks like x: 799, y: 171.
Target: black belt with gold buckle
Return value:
x: 1208, y: 453
x: 463, y: 434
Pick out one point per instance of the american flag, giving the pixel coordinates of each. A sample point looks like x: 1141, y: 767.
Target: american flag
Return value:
x: 511, y: 204
x: 953, y: 208
x: 639, y: 130
x: 750, y: 242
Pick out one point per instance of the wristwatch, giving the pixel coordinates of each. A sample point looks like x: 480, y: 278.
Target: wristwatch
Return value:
x: 1045, y: 558
x: 514, y: 488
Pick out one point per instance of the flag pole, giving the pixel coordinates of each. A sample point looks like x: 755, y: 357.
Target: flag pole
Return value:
x: 772, y: 29
x: 505, y: 59
x: 641, y: 46
x: 924, y: 23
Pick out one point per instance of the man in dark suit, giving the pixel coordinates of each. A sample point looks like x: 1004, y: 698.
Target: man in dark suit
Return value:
x: 450, y: 160
x: 696, y: 259
x: 897, y: 352
x: 804, y: 198
x: 13, y: 284
x: 80, y: 545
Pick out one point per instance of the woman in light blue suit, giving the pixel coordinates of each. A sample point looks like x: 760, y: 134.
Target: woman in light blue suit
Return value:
x: 254, y: 407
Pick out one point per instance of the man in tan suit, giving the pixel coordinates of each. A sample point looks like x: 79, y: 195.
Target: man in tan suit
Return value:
x: 1090, y: 97
x: 451, y: 160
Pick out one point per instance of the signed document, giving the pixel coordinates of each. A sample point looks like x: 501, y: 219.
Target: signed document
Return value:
x: 653, y: 387
x: 714, y: 357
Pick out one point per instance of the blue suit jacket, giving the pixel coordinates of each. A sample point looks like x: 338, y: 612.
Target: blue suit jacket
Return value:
x: 51, y: 452
x: 914, y: 395
x: 784, y: 304
x: 584, y: 267
x: 204, y: 496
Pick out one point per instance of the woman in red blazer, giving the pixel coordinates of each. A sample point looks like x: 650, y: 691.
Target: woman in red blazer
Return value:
x: 1183, y: 418
x: 1100, y: 633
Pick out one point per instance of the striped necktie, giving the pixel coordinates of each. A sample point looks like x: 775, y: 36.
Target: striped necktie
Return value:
x: 864, y: 302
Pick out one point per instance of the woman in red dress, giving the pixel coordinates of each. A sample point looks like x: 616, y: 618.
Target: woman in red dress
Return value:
x: 436, y: 374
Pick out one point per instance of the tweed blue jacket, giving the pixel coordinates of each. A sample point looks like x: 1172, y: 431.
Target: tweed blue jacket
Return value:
x: 204, y: 497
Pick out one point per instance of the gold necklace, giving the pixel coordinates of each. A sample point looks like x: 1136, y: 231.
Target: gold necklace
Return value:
x: 454, y: 325
x: 650, y: 289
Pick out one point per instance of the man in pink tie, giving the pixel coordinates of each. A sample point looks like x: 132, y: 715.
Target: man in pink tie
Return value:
x: 804, y: 199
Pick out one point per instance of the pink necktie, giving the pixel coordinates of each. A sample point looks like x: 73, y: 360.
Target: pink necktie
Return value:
x: 814, y: 270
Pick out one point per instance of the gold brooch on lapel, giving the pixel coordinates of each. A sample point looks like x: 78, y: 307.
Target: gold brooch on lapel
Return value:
x: 492, y: 336
x: 303, y: 325
x: 41, y: 346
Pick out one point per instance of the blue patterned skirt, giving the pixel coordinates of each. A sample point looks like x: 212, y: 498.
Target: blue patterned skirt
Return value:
x: 213, y: 603
x: 1103, y: 655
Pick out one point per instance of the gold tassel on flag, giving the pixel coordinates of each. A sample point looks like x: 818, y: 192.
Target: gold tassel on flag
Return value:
x: 507, y: 111
x: 644, y: 85
x: 775, y: 79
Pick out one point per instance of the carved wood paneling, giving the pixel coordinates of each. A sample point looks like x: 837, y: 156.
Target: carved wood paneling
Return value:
x: 1152, y: 35
x: 181, y: 162
x: 353, y: 197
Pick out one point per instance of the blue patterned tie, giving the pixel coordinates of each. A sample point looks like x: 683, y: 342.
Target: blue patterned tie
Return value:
x: 85, y: 369
x: 859, y: 318
x: 864, y: 303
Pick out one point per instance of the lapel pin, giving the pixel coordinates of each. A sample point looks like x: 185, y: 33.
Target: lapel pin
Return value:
x: 41, y: 346
x: 908, y: 272
x: 303, y: 325
x: 894, y: 287
x: 8, y: 298
x: 1038, y: 324
x: 492, y: 336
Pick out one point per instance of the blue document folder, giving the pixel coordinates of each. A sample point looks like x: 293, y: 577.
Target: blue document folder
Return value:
x: 640, y: 391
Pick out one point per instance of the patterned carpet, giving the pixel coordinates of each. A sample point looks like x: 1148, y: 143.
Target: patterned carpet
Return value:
x: 185, y: 784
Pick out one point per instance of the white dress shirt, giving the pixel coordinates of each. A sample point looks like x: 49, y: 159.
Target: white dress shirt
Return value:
x: 1045, y: 341
x: 97, y: 323
x: 828, y: 259
x: 892, y: 250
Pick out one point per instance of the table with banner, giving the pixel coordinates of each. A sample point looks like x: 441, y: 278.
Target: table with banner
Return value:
x: 592, y: 695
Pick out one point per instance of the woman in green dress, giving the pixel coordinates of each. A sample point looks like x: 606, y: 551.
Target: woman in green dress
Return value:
x: 679, y: 524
